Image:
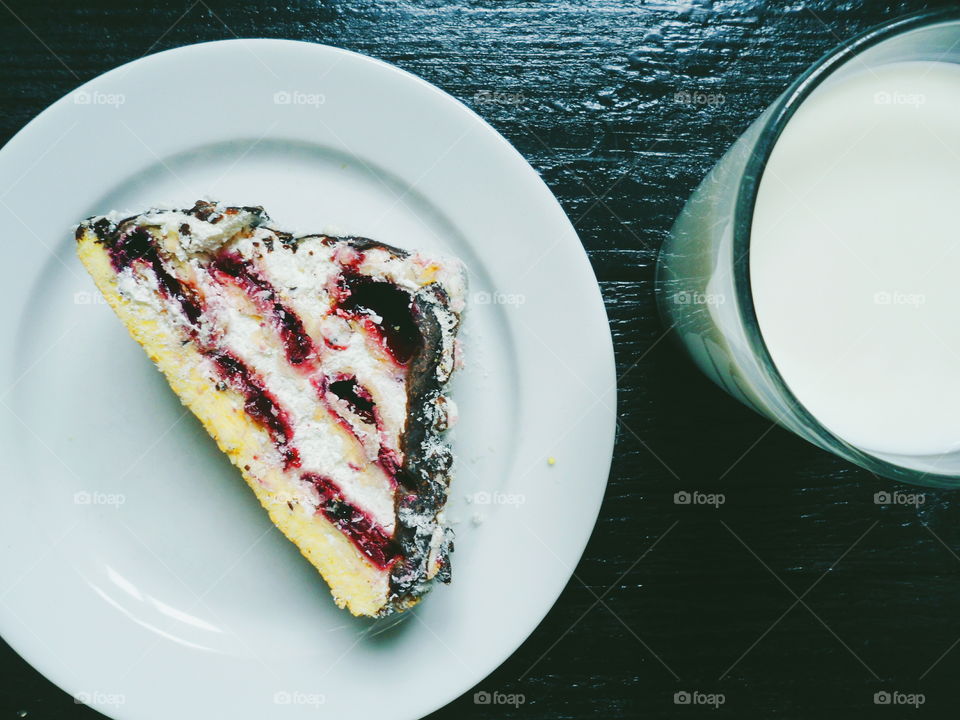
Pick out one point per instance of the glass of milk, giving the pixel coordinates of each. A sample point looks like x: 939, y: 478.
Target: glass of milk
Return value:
x: 815, y: 272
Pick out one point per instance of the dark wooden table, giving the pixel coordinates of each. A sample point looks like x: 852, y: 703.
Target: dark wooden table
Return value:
x: 799, y: 597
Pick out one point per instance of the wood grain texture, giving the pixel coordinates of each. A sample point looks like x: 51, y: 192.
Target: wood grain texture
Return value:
x: 690, y: 598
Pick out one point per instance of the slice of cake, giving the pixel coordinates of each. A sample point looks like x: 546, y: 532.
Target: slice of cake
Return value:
x: 319, y: 366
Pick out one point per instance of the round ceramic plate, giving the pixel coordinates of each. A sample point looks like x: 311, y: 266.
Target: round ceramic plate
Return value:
x: 136, y: 570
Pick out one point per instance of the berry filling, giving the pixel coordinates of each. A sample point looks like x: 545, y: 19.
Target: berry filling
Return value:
x: 396, y: 330
x: 357, y: 525
x: 356, y: 397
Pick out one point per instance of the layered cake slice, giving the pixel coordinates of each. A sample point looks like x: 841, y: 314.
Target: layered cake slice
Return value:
x: 319, y: 366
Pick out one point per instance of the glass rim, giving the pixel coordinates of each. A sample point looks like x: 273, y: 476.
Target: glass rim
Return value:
x: 780, y: 113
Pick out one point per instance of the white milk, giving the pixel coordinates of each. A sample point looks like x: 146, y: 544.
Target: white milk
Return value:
x: 855, y: 257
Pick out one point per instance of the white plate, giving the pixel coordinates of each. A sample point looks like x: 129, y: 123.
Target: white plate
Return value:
x: 138, y: 573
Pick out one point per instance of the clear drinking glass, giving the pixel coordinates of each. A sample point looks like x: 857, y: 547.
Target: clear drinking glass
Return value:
x: 703, y: 270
